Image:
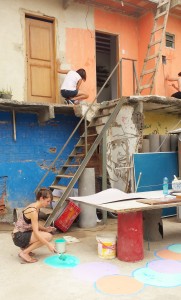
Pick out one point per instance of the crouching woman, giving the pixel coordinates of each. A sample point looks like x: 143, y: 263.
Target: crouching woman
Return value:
x: 28, y: 234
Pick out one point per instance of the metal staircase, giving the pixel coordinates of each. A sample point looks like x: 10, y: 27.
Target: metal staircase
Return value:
x: 154, y: 51
x: 86, y: 146
x: 78, y: 158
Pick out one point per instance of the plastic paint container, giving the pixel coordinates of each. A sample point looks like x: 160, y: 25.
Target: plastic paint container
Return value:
x: 106, y: 246
x: 60, y: 245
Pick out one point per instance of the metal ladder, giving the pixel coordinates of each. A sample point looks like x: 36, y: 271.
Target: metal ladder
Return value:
x: 78, y: 158
x: 153, y: 55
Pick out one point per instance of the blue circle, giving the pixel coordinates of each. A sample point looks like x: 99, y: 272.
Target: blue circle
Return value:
x: 64, y: 261
x: 153, y: 278
x: 175, y: 248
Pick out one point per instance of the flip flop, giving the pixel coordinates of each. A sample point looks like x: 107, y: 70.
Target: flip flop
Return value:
x: 24, y: 260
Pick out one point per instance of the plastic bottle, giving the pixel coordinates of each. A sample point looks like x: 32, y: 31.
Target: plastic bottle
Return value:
x: 165, y: 186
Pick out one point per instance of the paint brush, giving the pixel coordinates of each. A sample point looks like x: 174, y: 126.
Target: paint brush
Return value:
x: 62, y: 257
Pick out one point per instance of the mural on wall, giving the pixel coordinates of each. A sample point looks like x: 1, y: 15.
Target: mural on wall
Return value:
x: 122, y: 141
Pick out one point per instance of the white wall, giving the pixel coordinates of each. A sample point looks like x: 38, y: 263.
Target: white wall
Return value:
x: 12, y: 36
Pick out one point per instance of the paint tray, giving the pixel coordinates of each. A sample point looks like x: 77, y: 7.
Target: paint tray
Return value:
x: 67, y: 216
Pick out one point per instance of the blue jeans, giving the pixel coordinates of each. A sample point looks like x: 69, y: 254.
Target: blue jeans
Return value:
x: 68, y: 94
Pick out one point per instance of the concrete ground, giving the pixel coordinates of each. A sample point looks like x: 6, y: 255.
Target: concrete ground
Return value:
x: 40, y: 281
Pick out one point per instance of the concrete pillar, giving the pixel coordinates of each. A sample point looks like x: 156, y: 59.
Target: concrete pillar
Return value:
x: 146, y: 145
x: 154, y: 142
x: 152, y: 225
x: 88, y: 216
x: 174, y: 142
x: 165, y: 143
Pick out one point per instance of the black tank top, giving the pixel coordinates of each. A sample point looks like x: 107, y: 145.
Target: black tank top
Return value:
x: 27, y: 220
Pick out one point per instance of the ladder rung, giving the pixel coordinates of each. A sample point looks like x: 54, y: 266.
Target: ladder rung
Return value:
x: 151, y: 57
x: 77, y: 155
x: 96, y: 125
x: 146, y: 86
x: 83, y: 146
x: 108, y: 106
x: 64, y: 176
x: 162, y: 3
x: 160, y: 15
x: 157, y: 29
x: 154, y: 43
x: 69, y: 166
x: 46, y: 210
x: 102, y: 116
x: 55, y: 198
x: 148, y: 72
x: 58, y: 187
x: 90, y: 135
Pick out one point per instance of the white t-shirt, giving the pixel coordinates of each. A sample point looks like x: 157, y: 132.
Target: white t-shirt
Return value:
x: 70, y: 81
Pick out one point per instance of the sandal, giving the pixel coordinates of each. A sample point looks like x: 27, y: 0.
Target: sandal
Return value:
x: 29, y: 260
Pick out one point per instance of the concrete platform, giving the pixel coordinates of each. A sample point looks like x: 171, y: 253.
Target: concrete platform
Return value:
x: 40, y: 281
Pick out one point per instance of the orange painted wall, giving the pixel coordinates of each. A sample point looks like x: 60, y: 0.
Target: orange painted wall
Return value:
x: 127, y: 31
x: 173, y: 66
x: 133, y: 38
x: 80, y: 53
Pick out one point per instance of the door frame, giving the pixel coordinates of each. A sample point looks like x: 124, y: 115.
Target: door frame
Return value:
x: 53, y: 21
x: 117, y: 56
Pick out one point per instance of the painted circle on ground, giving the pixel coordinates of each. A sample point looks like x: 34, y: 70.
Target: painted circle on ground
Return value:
x: 95, y: 270
x: 66, y: 261
x: 175, y: 248
x: 165, y: 266
x: 118, y: 285
x: 167, y: 254
x: 150, y: 277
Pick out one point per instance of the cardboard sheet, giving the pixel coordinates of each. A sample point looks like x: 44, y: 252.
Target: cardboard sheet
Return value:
x: 114, y: 195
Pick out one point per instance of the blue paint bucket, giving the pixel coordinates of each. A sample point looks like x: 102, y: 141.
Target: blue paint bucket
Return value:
x: 60, y: 245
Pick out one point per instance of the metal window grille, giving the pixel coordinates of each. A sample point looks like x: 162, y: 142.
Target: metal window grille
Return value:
x: 170, y: 40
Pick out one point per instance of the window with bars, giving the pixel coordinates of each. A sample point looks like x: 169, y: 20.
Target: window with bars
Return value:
x: 170, y: 40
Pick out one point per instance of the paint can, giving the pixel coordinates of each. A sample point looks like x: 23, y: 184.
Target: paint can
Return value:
x: 106, y: 246
x: 60, y: 245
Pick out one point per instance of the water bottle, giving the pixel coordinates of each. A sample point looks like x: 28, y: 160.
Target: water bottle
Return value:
x: 165, y: 186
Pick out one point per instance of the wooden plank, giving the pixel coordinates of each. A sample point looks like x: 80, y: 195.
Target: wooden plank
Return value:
x: 159, y: 201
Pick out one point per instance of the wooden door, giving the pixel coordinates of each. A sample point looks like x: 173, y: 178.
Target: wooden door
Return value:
x: 40, y: 60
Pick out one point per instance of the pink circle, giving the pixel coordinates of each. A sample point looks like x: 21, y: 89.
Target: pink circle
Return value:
x: 94, y: 270
x: 165, y: 266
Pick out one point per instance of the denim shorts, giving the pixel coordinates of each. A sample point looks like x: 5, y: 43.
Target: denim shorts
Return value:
x: 22, y: 239
x: 69, y: 94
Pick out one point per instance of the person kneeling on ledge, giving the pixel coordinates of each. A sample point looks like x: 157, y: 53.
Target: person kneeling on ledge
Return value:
x: 70, y: 88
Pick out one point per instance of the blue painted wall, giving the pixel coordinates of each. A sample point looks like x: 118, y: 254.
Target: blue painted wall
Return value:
x: 154, y: 167
x: 24, y: 162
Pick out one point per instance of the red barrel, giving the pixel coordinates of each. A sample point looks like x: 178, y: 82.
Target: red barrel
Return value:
x: 130, y: 237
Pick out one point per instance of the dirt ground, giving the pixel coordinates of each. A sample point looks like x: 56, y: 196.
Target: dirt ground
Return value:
x: 38, y: 280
